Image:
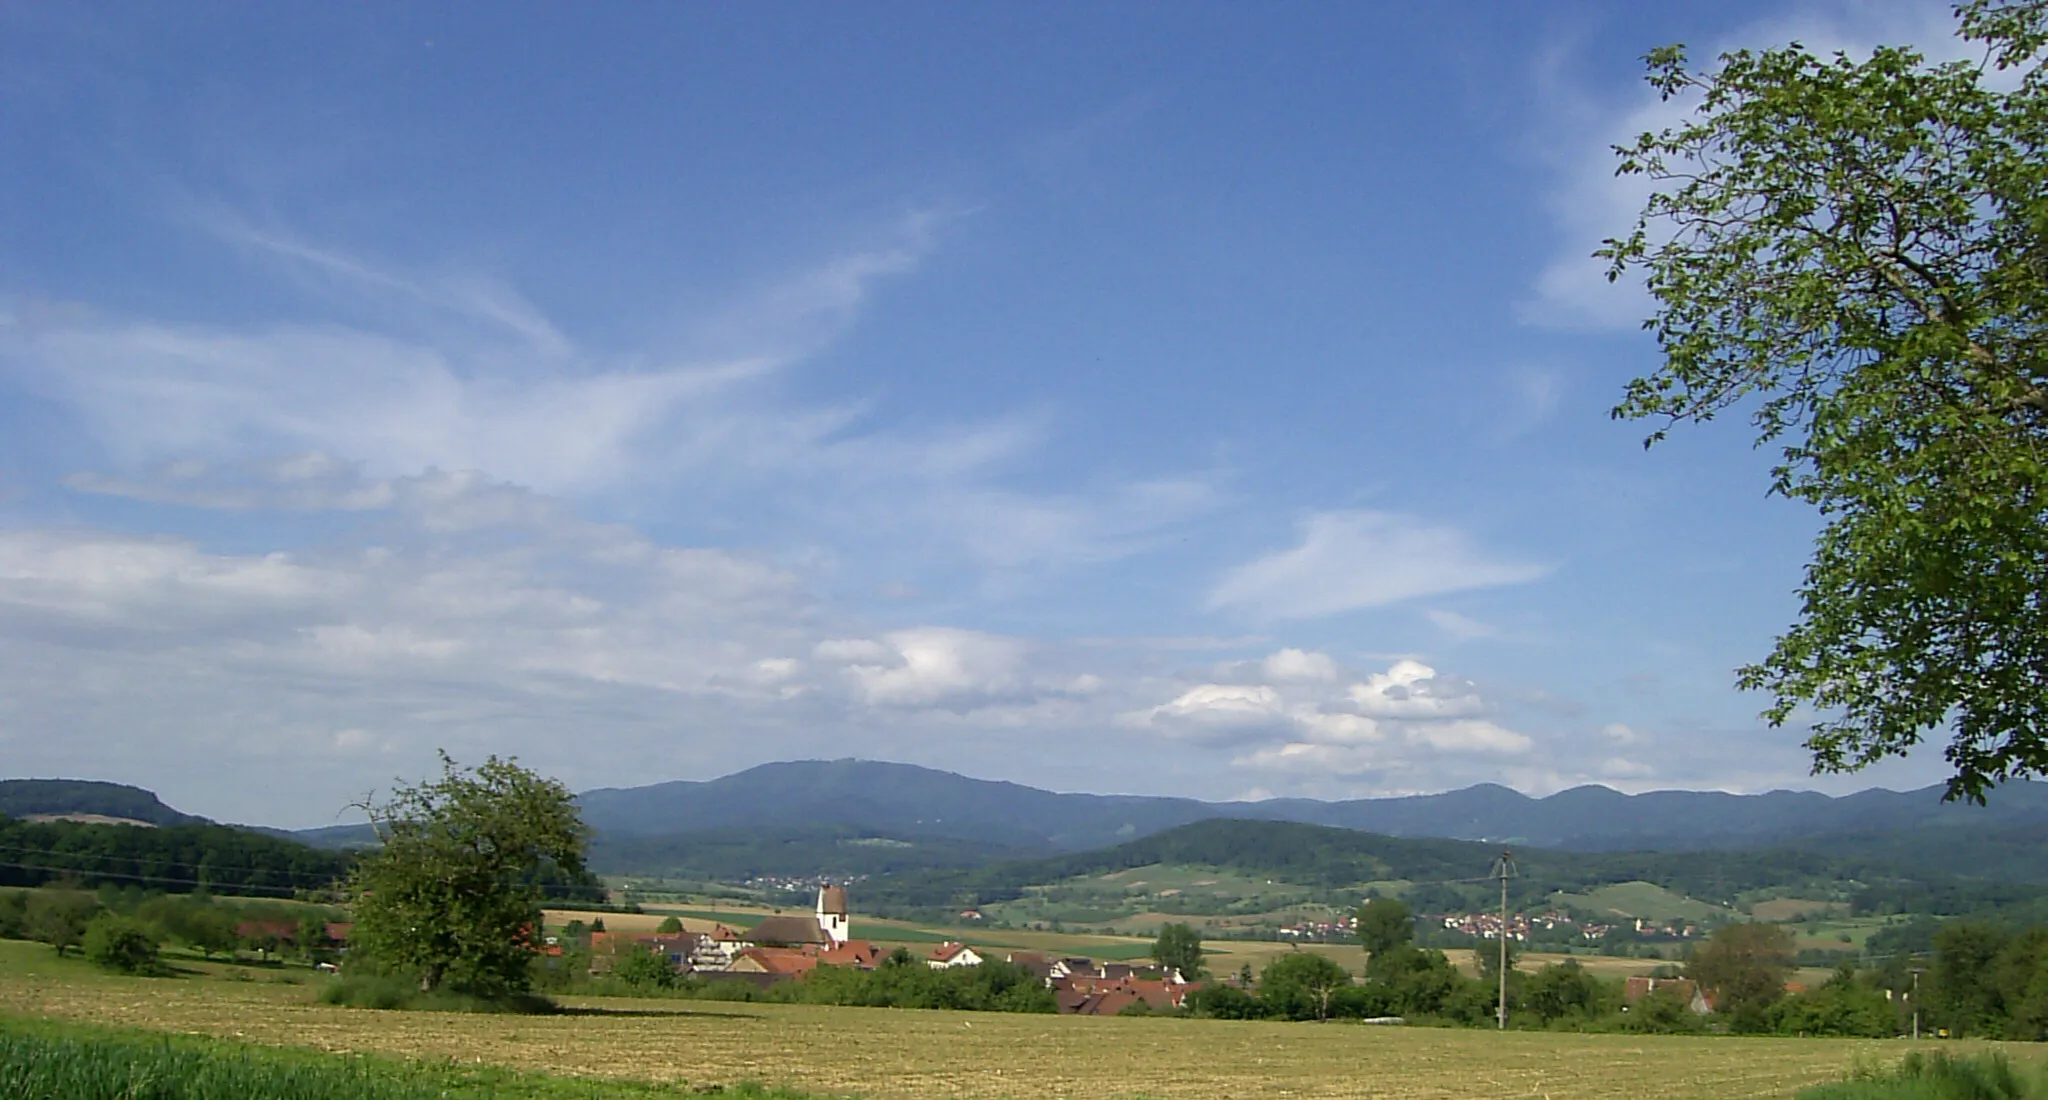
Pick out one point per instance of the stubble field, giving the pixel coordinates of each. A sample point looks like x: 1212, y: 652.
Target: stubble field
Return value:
x: 883, y: 1053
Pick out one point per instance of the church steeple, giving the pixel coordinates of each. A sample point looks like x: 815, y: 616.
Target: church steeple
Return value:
x: 832, y: 914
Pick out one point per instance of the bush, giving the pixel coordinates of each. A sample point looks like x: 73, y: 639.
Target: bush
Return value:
x: 1224, y: 1002
x: 380, y: 991
x: 117, y: 943
x: 1932, y: 1077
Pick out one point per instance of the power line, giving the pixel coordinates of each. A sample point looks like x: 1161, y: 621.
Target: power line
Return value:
x: 169, y: 861
x: 286, y: 891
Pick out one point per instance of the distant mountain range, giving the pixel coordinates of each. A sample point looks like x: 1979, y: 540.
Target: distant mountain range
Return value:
x: 905, y: 800
x: 804, y: 817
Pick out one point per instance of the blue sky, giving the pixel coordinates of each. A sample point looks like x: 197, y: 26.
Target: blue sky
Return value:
x: 1194, y: 399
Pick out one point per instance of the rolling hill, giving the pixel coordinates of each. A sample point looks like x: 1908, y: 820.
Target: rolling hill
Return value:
x: 26, y: 797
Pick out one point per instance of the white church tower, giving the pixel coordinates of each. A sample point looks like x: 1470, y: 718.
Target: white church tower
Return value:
x: 832, y: 915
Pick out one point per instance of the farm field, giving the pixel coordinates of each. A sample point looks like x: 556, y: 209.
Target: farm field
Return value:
x: 884, y: 1053
x: 1644, y: 900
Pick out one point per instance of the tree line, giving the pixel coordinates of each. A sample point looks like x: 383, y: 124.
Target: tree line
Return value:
x: 173, y: 859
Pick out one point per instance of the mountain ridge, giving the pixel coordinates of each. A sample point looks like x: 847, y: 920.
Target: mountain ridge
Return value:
x: 912, y: 800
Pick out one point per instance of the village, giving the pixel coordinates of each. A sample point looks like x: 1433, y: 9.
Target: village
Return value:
x: 790, y: 948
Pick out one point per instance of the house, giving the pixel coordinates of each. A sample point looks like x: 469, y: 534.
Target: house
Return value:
x: 948, y: 955
x: 716, y: 949
x: 776, y: 962
x: 787, y: 931
x: 1687, y: 990
x: 1033, y: 963
x: 1112, y: 999
x: 858, y: 954
x: 1069, y: 967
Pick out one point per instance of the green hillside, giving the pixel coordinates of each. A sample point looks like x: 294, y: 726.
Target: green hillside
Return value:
x: 22, y: 797
x: 1318, y: 864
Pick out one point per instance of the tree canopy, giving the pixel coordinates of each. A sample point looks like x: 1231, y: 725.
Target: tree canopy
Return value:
x: 1855, y: 251
x: 1179, y: 947
x: 454, y: 893
x: 1384, y: 924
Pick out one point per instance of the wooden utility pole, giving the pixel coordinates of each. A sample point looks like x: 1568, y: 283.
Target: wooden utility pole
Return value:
x: 1504, y: 869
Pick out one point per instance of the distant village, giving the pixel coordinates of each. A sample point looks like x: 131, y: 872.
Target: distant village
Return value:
x: 1552, y: 926
x: 788, y: 948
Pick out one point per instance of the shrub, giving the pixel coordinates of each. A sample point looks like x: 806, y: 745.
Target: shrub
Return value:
x: 117, y: 943
x: 382, y: 991
x: 642, y: 968
x: 1932, y: 1077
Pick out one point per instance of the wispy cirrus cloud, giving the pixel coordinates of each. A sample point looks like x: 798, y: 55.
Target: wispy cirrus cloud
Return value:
x: 1589, y: 203
x: 190, y: 413
x: 1351, y: 560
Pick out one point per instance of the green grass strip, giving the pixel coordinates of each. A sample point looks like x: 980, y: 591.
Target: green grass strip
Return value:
x: 51, y: 1060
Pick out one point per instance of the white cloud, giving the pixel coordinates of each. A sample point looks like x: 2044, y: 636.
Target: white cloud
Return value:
x: 1211, y: 709
x: 1295, y: 664
x: 1359, y: 559
x: 1620, y: 734
x: 1411, y: 689
x: 940, y: 665
x: 488, y: 388
x: 1405, y: 721
x: 1460, y: 627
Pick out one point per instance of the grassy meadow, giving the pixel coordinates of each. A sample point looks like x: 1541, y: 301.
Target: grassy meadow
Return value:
x: 880, y: 1053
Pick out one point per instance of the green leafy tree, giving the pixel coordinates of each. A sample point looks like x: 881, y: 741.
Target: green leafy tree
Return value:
x: 58, y: 917
x: 1301, y: 985
x: 1564, y: 991
x: 212, y: 931
x: 1964, y: 995
x: 313, y: 943
x: 453, y: 894
x: 1487, y: 956
x: 116, y: 943
x: 644, y: 968
x: 1856, y: 252
x: 13, y: 915
x: 669, y: 925
x: 1744, y: 966
x: 1384, y: 924
x: 1179, y: 947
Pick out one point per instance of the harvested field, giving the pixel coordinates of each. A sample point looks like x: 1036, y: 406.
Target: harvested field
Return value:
x: 883, y: 1053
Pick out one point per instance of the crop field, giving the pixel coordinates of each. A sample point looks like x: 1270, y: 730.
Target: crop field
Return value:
x: 1784, y: 909
x: 885, y: 1053
x: 1645, y: 900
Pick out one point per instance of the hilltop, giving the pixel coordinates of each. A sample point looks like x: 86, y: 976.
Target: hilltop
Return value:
x: 87, y: 798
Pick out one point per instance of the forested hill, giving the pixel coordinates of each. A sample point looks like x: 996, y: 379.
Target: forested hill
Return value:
x: 1343, y: 859
x: 22, y: 797
x: 906, y: 801
x: 173, y: 859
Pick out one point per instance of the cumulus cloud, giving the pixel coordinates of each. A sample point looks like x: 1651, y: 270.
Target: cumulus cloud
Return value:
x: 1360, y: 559
x: 544, y: 640
x: 1296, y: 664
x: 1411, y: 689
x: 934, y: 665
x: 1384, y: 724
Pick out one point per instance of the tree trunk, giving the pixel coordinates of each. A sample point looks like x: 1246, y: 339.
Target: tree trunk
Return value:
x: 431, y: 978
